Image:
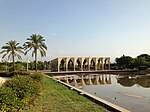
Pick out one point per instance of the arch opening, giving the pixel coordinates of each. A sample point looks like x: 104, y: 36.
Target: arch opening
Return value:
x: 62, y: 65
x: 99, y: 64
x: 78, y: 65
x: 85, y: 64
x: 92, y: 65
x: 70, y: 65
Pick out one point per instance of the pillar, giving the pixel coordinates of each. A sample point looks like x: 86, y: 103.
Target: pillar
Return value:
x: 89, y: 63
x: 109, y: 64
x: 96, y: 62
x: 66, y: 61
x: 82, y: 59
x: 74, y: 64
x: 58, y: 65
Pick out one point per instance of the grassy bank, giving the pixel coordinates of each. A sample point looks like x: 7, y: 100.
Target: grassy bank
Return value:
x: 58, y: 98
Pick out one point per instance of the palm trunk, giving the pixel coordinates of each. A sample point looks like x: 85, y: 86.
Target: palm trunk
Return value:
x: 36, y: 60
x: 13, y: 62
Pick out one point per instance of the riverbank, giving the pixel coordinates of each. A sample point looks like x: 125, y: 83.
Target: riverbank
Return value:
x: 58, y: 98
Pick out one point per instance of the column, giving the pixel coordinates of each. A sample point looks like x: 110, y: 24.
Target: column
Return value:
x: 58, y: 65
x: 82, y: 59
x: 74, y: 63
x: 89, y: 63
x: 109, y: 64
x: 96, y: 62
x: 66, y: 64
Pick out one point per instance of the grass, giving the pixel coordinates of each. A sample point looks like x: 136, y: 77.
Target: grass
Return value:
x: 58, y: 98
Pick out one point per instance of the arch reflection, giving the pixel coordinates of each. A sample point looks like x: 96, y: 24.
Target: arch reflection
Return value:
x: 85, y: 79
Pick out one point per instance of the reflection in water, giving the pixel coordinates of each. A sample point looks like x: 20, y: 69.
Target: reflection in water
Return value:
x: 134, y: 98
x: 129, y: 81
x: 85, y: 79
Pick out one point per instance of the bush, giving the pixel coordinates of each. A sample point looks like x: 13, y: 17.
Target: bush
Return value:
x: 3, y: 67
x: 142, y: 68
x: 8, y: 100
x: 23, y: 73
x: 16, y: 93
x: 19, y: 67
x: 37, y: 76
x: 11, y: 74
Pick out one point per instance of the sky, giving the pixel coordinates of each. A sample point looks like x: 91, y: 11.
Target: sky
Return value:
x: 75, y: 28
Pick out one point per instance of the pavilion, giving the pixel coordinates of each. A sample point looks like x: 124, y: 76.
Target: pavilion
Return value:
x: 80, y: 63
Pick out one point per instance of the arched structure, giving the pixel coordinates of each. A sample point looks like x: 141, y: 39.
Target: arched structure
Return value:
x: 80, y: 64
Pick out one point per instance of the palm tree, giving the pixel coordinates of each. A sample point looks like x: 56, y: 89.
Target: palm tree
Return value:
x: 35, y: 42
x: 12, y: 49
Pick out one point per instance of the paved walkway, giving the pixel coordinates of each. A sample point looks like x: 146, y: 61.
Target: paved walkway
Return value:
x: 3, y: 80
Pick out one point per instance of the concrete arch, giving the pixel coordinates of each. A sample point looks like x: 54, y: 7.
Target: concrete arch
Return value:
x: 81, y: 63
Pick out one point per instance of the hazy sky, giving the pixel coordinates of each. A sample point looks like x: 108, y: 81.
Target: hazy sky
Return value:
x: 79, y: 27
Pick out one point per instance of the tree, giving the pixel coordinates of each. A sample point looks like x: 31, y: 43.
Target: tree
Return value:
x: 125, y: 62
x: 142, y: 62
x: 12, y: 49
x: 35, y: 42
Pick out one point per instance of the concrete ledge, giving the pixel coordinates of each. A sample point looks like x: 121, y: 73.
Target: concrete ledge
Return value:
x: 47, y: 72
x: 110, y: 106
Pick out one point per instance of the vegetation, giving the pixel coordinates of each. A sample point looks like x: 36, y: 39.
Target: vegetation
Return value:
x: 12, y: 49
x: 22, y: 66
x: 58, y: 98
x: 36, y: 42
x: 18, y: 92
x: 141, y: 62
x: 32, y: 92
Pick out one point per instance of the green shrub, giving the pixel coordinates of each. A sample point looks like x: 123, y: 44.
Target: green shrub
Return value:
x: 17, y: 92
x: 23, y: 85
x: 20, y: 67
x: 11, y: 74
x: 8, y: 100
x: 37, y: 76
x: 3, y: 67
x: 24, y: 73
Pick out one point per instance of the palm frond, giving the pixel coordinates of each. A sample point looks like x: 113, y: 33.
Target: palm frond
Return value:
x: 4, y: 55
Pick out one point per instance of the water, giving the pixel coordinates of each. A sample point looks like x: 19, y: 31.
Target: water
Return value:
x: 131, y: 93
